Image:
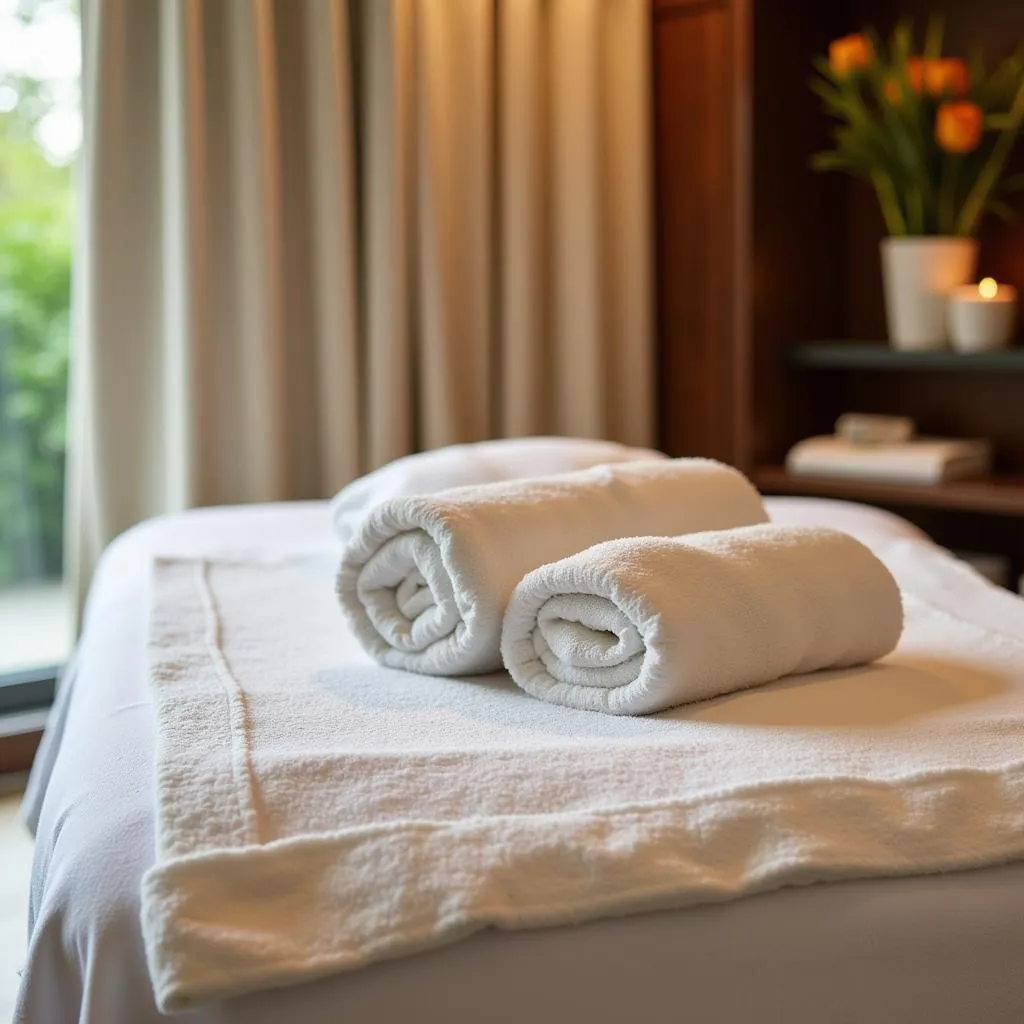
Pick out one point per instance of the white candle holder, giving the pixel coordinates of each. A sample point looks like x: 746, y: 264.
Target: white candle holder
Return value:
x: 982, y: 316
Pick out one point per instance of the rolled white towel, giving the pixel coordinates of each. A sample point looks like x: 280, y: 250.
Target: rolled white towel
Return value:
x: 425, y: 580
x: 463, y: 465
x: 642, y: 624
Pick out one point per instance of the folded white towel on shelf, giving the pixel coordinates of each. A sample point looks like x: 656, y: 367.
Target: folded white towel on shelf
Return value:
x: 425, y: 581
x: 642, y: 624
x: 921, y: 461
x: 865, y: 428
x: 462, y: 465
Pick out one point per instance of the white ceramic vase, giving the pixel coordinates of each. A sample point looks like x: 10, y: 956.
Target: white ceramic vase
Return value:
x: 919, y: 273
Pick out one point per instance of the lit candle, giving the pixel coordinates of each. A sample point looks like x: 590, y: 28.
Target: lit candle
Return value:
x: 982, y: 316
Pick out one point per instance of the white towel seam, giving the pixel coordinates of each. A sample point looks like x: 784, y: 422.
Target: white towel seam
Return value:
x: 238, y: 711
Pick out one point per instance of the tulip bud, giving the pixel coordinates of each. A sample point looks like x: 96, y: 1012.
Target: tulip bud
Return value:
x: 958, y: 127
x: 850, y: 54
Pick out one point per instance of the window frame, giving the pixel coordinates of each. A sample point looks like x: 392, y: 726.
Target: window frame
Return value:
x: 28, y: 689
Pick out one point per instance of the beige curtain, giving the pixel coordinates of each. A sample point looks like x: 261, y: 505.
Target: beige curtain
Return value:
x: 317, y: 235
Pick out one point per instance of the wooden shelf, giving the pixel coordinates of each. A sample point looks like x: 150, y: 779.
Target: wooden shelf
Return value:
x: 842, y: 355
x: 1000, y: 495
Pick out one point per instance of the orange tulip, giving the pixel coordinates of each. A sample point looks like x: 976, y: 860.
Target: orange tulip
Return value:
x: 958, y: 127
x: 850, y: 54
x: 915, y: 74
x: 893, y: 90
x: 948, y: 76
x: 943, y: 76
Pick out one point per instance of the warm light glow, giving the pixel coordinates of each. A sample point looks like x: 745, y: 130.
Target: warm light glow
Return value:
x: 988, y: 289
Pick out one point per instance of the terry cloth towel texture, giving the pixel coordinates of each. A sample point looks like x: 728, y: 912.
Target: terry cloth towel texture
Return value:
x: 464, y: 465
x: 316, y: 812
x: 426, y: 580
x: 642, y: 624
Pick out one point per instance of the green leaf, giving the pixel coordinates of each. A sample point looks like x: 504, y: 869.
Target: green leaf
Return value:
x: 981, y: 192
x: 829, y: 161
x: 933, y: 37
x: 824, y: 68
x: 833, y: 161
x: 976, y: 66
x: 1004, y: 211
x: 832, y: 98
x: 949, y: 183
x: 998, y: 92
x: 902, y: 45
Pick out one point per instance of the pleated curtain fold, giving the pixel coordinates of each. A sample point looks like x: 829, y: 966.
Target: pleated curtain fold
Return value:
x: 316, y: 235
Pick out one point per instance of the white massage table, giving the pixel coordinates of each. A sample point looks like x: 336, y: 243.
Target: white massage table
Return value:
x: 944, y: 948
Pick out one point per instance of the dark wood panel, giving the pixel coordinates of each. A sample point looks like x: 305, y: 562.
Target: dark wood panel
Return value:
x: 696, y: 201
x: 799, y: 229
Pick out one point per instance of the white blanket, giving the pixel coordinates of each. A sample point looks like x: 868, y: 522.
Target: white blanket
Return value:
x: 426, y: 580
x: 642, y: 624
x: 317, y: 812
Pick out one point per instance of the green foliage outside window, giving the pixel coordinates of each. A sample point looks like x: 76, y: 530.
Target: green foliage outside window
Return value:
x: 35, y: 271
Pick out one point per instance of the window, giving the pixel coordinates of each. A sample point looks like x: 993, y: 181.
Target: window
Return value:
x: 40, y: 131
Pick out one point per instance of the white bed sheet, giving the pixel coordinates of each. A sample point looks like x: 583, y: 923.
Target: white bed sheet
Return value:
x: 941, y: 948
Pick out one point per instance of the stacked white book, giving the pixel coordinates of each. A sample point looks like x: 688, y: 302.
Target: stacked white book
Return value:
x: 920, y: 460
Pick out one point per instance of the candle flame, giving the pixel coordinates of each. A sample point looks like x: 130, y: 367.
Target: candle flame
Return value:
x: 988, y: 289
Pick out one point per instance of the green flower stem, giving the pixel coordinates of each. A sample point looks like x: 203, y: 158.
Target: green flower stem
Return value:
x: 947, y: 196
x: 894, y: 221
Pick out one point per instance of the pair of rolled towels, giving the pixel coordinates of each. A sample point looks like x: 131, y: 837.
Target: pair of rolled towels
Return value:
x: 625, y: 589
